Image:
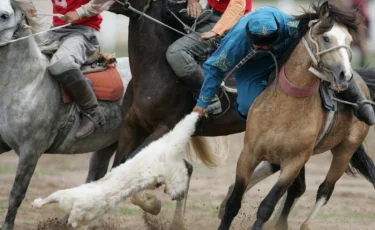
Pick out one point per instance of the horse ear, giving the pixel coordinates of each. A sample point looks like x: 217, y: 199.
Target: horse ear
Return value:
x: 324, y: 11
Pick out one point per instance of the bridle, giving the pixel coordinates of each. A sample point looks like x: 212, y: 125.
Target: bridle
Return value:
x: 315, y: 57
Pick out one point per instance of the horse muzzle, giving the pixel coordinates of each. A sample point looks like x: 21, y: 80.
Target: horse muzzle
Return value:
x: 341, y: 78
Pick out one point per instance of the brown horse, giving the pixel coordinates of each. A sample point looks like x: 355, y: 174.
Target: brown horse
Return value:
x: 284, y: 129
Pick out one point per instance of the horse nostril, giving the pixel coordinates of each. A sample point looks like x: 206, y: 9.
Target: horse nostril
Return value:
x: 342, y: 76
x: 4, y: 16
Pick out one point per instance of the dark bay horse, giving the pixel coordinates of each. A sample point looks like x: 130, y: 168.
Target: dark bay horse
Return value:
x: 283, y: 129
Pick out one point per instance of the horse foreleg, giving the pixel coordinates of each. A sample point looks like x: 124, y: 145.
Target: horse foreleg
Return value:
x: 99, y: 162
x: 261, y: 172
x: 289, y: 172
x: 246, y: 164
x: 340, y: 161
x: 295, y: 191
x: 178, y: 221
x: 130, y: 138
x: 25, y: 170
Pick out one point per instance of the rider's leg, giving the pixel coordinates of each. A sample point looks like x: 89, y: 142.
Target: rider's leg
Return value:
x: 183, y: 57
x: 65, y: 67
x: 365, y: 111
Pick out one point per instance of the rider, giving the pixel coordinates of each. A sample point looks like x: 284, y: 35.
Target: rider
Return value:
x: 78, y: 42
x: 182, y: 55
x: 264, y: 29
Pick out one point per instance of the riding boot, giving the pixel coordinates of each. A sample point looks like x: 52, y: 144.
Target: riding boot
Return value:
x: 365, y: 111
x: 194, y: 83
x: 82, y: 93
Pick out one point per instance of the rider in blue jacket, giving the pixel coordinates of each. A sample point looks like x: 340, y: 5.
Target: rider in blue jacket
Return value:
x: 269, y: 29
x: 266, y: 28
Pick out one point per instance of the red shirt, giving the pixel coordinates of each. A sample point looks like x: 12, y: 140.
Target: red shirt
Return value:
x: 221, y: 5
x: 64, y: 6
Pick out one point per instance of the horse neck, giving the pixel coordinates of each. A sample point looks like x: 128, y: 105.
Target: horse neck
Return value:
x: 148, y: 43
x: 297, y: 68
x: 22, y: 63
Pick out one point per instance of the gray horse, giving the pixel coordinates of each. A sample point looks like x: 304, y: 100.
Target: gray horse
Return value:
x: 33, y: 118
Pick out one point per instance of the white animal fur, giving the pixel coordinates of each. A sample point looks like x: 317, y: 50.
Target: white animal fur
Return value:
x: 161, y: 162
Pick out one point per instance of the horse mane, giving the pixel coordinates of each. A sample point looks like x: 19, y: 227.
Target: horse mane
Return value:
x: 337, y: 14
x: 37, y: 24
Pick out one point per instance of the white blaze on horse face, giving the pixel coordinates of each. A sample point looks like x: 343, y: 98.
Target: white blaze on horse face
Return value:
x: 5, y: 7
x: 343, y: 38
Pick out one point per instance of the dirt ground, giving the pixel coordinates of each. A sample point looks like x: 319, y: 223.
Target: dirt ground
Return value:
x: 352, y: 205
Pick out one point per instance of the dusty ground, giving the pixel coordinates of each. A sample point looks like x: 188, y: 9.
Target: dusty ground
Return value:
x: 352, y: 205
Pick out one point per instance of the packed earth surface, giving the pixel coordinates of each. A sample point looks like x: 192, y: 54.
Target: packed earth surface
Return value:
x: 350, y: 207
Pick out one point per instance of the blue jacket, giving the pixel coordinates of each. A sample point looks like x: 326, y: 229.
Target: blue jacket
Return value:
x: 236, y: 45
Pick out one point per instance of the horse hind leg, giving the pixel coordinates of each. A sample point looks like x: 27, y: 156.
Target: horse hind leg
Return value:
x: 99, y: 162
x: 246, y: 164
x: 261, y: 172
x: 340, y: 162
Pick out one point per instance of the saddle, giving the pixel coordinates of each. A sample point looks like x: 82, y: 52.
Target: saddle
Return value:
x: 100, y: 71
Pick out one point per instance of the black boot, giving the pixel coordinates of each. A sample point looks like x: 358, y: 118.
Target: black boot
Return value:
x: 365, y: 111
x: 79, y: 89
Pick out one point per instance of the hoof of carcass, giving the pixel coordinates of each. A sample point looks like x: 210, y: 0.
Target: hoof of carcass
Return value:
x: 148, y: 202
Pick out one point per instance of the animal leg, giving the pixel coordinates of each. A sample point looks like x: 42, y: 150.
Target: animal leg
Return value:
x: 289, y: 172
x: 340, y: 161
x: 26, y: 167
x: 246, y: 164
x: 151, y: 204
x: 99, y: 162
x: 295, y: 191
x: 130, y: 138
x: 178, y: 221
x: 261, y: 172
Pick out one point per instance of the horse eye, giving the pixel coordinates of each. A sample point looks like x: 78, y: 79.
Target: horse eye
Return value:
x: 325, y: 39
x: 4, y: 16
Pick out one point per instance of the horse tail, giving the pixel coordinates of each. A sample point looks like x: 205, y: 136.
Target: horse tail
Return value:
x: 361, y: 163
x: 211, y: 154
x: 368, y: 75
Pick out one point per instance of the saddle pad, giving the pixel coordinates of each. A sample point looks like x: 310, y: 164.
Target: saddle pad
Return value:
x: 107, y: 85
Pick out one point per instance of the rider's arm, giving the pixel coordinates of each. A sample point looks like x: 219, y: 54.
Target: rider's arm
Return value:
x: 233, y: 48
x: 234, y: 11
x: 93, y: 8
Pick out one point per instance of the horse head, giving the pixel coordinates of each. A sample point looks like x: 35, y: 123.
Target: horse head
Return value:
x: 330, y: 39
x: 122, y: 7
x: 10, y: 19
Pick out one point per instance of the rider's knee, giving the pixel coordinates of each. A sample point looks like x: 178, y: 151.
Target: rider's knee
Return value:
x: 177, y: 61
x: 61, y: 65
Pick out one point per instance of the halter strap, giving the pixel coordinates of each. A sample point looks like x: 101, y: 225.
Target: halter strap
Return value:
x: 316, y: 57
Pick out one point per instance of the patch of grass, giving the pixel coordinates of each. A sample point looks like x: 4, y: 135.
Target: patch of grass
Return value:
x: 124, y: 210
x: 4, y: 169
x: 3, y: 208
x: 206, y: 207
